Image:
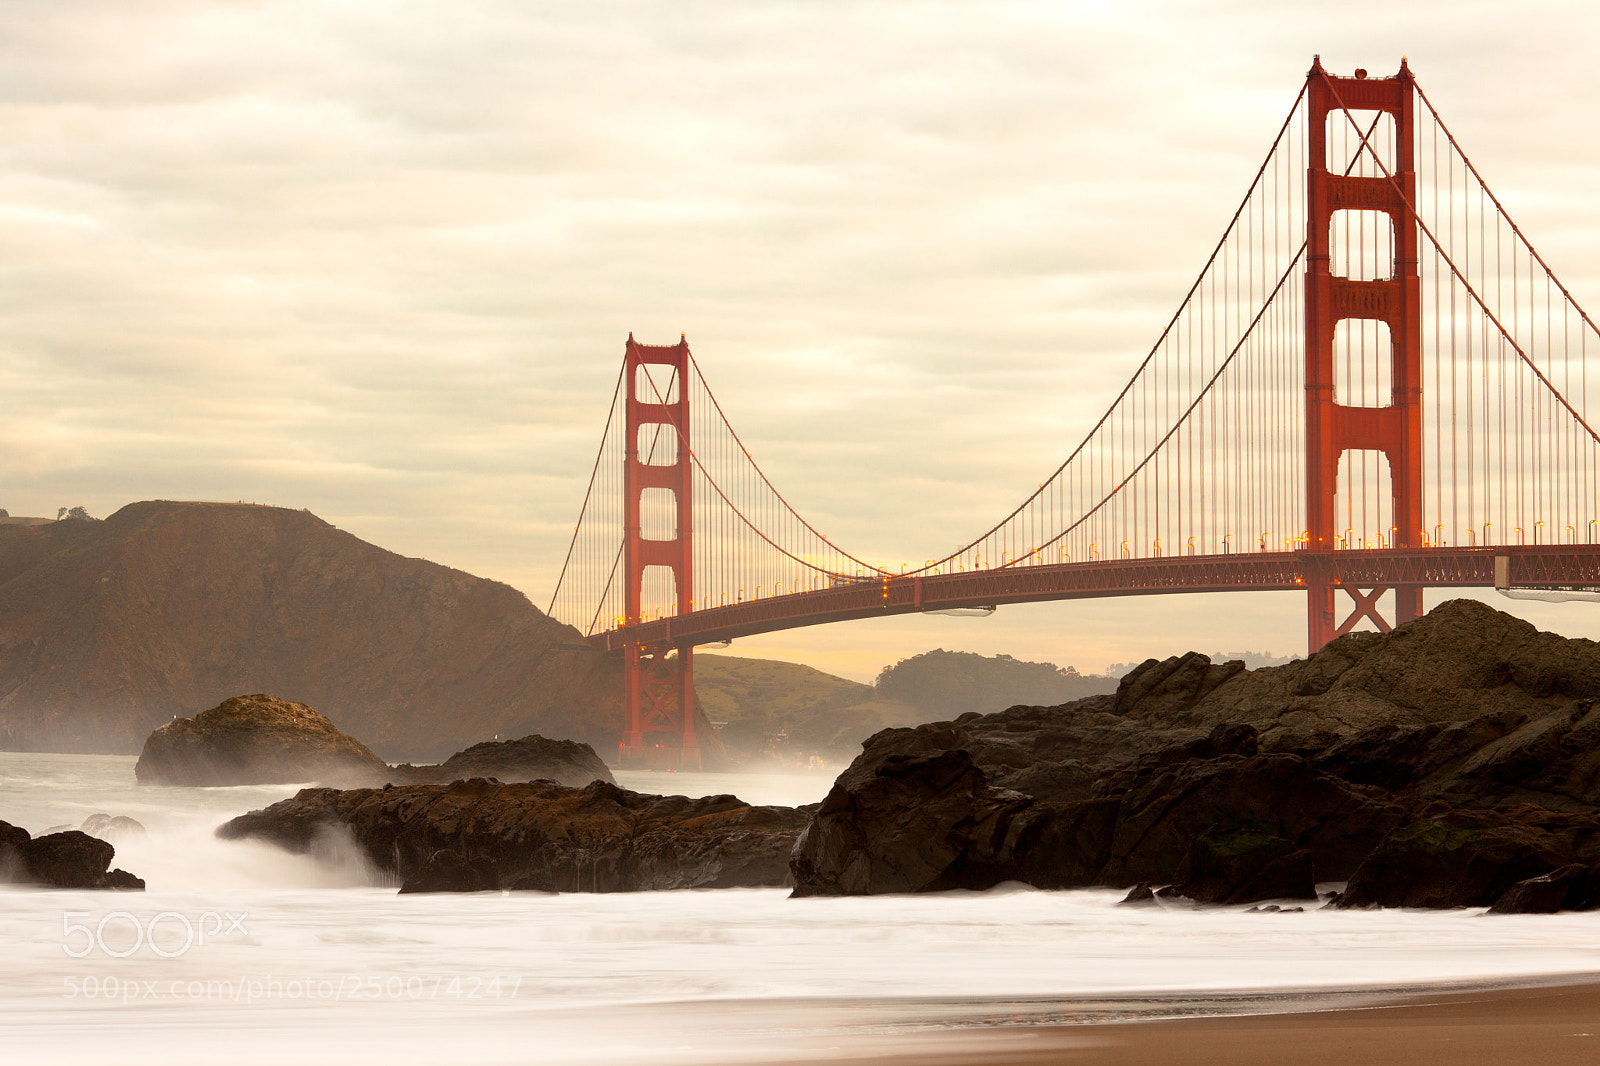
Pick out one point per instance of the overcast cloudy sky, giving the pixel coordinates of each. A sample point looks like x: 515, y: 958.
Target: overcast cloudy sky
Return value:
x: 379, y: 259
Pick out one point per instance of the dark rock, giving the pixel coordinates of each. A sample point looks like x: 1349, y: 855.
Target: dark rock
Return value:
x: 13, y: 839
x: 1541, y: 895
x: 1454, y: 858
x: 72, y: 859
x: 906, y: 823
x: 1168, y: 688
x: 1059, y: 845
x: 257, y: 739
x: 1271, y: 795
x: 544, y: 836
x: 532, y: 758
x: 123, y: 880
x: 1141, y: 894
x: 1242, y: 865
x: 446, y: 871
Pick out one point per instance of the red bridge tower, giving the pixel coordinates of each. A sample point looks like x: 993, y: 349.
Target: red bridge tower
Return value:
x: 1333, y: 428
x: 659, y: 678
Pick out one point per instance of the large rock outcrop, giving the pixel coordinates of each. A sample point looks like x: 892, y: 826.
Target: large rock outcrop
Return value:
x: 932, y: 821
x: 540, y: 835
x: 259, y: 739
x: 1463, y: 661
x: 1439, y: 765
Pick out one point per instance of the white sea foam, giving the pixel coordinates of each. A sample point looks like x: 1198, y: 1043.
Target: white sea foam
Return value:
x: 321, y: 964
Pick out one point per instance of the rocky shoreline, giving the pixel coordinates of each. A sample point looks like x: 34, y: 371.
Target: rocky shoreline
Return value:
x: 1454, y: 762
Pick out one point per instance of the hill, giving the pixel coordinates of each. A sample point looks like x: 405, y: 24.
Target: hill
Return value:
x: 771, y: 708
x: 109, y: 629
x: 944, y: 684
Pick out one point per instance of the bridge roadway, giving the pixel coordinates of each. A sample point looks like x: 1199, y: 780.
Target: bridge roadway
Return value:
x: 1567, y: 566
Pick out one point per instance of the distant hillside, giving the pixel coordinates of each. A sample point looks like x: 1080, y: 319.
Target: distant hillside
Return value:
x: 108, y: 629
x: 759, y: 700
x: 944, y: 684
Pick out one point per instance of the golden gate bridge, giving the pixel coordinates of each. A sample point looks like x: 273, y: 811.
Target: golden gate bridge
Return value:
x: 1375, y: 385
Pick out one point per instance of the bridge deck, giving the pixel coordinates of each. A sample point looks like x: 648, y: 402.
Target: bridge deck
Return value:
x: 1566, y: 566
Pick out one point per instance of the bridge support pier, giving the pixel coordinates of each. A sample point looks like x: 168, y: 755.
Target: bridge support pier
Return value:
x: 659, y: 680
x: 660, y: 735
x: 1334, y: 428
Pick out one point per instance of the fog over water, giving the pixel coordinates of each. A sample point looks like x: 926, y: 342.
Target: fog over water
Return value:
x: 259, y: 956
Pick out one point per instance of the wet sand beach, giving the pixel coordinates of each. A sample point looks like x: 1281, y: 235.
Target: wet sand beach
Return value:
x: 1546, y: 1026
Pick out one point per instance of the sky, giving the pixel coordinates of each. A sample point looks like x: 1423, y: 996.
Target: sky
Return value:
x: 380, y: 260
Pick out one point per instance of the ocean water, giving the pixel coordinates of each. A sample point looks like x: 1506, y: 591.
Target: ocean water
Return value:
x: 239, y: 953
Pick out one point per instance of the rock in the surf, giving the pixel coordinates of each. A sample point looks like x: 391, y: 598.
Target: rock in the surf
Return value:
x: 531, y: 758
x: 72, y: 859
x: 256, y: 739
x: 541, y: 835
x: 107, y: 827
x: 1572, y: 888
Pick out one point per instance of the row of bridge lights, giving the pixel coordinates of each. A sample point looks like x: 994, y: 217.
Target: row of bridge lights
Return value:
x: 1347, y: 542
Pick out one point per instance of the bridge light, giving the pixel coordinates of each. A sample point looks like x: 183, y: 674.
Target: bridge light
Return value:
x: 1536, y: 527
x: 1518, y: 531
